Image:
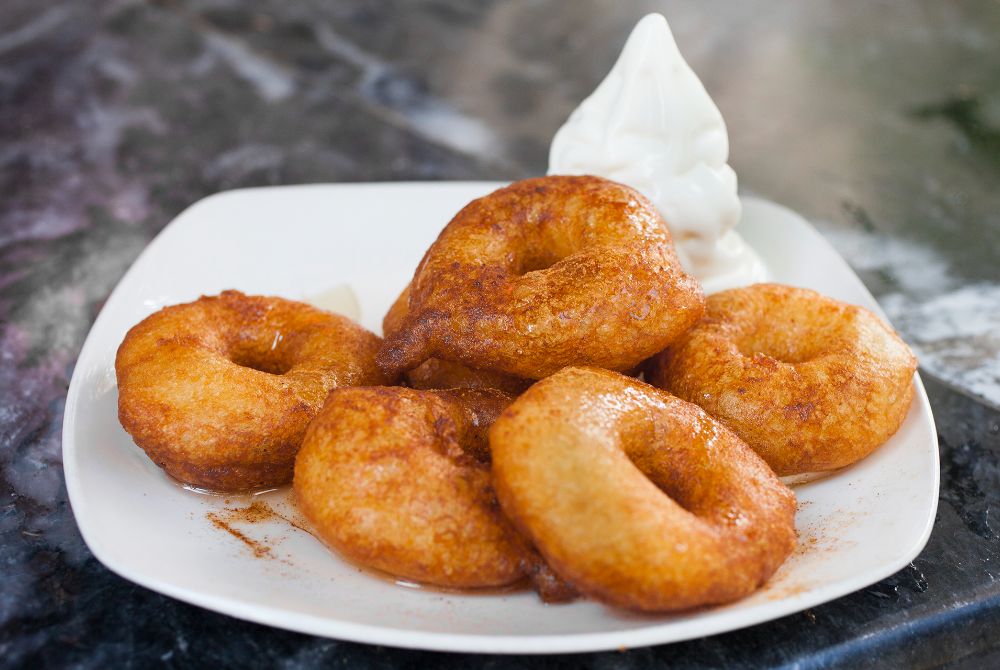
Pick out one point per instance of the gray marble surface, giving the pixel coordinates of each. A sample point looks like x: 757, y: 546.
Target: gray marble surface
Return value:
x: 879, y: 121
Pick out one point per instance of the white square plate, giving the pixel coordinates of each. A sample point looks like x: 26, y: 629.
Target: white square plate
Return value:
x: 855, y: 527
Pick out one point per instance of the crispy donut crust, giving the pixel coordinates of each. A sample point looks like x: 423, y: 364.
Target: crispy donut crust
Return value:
x: 544, y: 273
x: 399, y: 480
x: 218, y: 392
x: 811, y: 383
x: 637, y: 498
x: 435, y: 373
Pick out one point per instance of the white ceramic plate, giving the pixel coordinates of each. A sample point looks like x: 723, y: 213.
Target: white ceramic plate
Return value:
x: 855, y: 528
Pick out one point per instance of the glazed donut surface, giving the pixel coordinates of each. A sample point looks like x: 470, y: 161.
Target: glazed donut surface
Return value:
x: 544, y: 273
x: 399, y: 480
x: 811, y: 383
x: 218, y: 392
x: 637, y: 498
x: 435, y: 373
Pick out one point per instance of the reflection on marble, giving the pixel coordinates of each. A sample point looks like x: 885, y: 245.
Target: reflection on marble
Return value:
x: 878, y: 121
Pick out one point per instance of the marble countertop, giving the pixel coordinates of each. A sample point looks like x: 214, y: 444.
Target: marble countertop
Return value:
x: 880, y: 122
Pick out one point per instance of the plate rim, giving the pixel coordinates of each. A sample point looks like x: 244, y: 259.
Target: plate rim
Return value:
x: 340, y: 629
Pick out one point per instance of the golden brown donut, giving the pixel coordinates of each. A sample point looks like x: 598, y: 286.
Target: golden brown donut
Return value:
x: 545, y: 273
x: 435, y: 373
x: 811, y: 383
x: 399, y: 480
x: 218, y: 391
x: 637, y: 498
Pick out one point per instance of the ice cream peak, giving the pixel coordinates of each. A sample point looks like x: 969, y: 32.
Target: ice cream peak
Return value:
x: 651, y: 124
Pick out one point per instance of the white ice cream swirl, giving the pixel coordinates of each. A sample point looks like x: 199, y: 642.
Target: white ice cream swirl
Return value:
x: 651, y: 125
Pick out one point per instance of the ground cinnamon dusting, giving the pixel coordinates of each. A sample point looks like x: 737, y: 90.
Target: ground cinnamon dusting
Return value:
x: 260, y: 511
x: 259, y: 550
x: 257, y: 511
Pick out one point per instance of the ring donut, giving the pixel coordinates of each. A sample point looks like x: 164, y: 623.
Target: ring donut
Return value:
x: 637, y: 498
x: 545, y: 273
x: 810, y: 383
x: 218, y: 392
x: 435, y: 373
x: 399, y: 480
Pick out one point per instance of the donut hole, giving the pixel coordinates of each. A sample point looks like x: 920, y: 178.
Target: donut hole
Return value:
x: 537, y: 259
x: 783, y: 347
x: 555, y: 242
x: 644, y: 442
x: 654, y: 448
x: 271, y: 362
x: 790, y: 338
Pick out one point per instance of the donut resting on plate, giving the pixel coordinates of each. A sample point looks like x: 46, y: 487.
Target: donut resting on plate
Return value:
x: 218, y: 392
x: 811, y: 383
x: 637, y: 498
x: 399, y: 480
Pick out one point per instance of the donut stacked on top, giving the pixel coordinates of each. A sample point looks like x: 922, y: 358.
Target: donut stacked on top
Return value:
x: 518, y: 444
x: 546, y: 273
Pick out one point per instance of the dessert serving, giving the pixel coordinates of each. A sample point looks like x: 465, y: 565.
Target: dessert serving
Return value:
x: 585, y: 388
x: 625, y: 493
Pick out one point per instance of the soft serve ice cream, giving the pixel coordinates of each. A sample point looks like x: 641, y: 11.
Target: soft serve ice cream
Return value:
x: 651, y: 125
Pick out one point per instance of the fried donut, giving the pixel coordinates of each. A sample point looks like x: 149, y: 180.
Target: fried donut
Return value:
x: 545, y: 273
x: 435, y: 373
x: 637, y: 498
x: 811, y: 383
x: 218, y: 392
x: 399, y: 480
